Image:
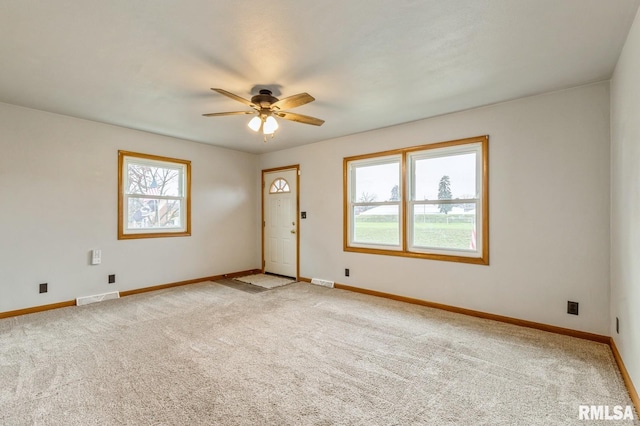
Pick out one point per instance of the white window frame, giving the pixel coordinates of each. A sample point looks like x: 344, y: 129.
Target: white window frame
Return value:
x: 183, y: 167
x: 353, y: 203
x: 274, y: 188
x: 446, y: 151
x: 408, y: 156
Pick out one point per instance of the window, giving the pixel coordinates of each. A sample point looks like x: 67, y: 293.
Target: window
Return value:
x: 374, y: 203
x: 279, y: 185
x: 429, y: 202
x: 154, y: 196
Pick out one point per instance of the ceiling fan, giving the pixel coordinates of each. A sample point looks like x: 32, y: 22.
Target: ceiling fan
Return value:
x: 267, y: 106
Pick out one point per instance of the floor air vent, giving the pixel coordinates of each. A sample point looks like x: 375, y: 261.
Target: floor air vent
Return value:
x: 324, y: 283
x: 97, y: 298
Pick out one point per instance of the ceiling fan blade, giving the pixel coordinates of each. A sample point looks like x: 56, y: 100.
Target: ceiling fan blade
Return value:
x: 300, y: 118
x: 293, y: 101
x: 235, y: 97
x: 218, y: 114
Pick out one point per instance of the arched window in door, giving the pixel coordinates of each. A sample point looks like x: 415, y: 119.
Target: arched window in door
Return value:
x: 278, y: 186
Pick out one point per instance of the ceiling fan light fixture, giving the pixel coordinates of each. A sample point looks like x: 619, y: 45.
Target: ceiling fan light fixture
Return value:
x: 270, y: 126
x: 266, y: 106
x: 255, y: 123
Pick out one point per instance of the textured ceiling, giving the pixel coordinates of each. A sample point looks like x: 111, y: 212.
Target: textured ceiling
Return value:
x: 148, y: 65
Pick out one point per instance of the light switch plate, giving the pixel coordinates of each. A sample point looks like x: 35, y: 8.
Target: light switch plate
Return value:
x: 96, y: 257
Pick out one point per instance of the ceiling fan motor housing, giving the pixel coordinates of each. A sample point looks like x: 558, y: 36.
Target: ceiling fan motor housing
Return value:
x: 264, y: 99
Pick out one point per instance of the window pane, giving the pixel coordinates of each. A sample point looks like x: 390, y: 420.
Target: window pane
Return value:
x: 153, y: 213
x: 279, y: 185
x: 377, y: 225
x: 434, y: 229
x: 377, y: 182
x: 445, y: 178
x: 152, y: 180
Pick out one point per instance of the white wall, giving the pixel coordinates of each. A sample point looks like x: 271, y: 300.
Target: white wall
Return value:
x: 58, y: 200
x: 549, y: 211
x: 625, y: 203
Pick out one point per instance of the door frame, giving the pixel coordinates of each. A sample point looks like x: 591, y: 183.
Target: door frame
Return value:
x: 295, y: 167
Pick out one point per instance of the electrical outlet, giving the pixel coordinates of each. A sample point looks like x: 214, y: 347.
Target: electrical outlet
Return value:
x: 43, y: 288
x: 112, y: 278
x: 572, y: 308
x: 346, y: 272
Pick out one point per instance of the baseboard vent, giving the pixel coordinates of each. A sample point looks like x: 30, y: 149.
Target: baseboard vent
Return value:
x: 324, y: 283
x: 97, y: 298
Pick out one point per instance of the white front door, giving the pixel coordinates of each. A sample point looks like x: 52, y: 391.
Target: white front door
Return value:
x: 280, y: 215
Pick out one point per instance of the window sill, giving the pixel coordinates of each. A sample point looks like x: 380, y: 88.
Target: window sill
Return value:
x: 433, y: 256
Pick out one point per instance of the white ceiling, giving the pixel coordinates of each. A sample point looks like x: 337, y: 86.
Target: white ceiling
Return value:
x: 149, y: 64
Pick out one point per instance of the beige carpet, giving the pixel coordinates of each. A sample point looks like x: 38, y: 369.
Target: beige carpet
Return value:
x: 266, y: 280
x: 209, y: 354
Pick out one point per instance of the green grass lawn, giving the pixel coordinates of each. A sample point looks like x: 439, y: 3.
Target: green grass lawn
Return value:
x: 454, y: 235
